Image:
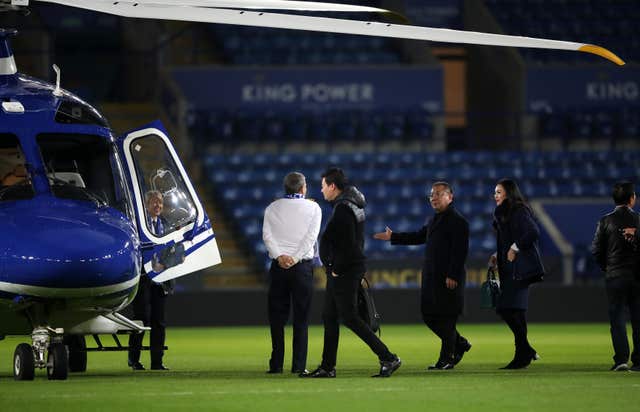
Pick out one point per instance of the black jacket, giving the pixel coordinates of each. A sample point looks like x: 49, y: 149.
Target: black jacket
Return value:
x: 446, y: 237
x: 615, y: 255
x: 515, y: 225
x: 342, y: 242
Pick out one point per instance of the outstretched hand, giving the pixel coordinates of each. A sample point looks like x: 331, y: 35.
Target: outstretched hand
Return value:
x: 386, y: 235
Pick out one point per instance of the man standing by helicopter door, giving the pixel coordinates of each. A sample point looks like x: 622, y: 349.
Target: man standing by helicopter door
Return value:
x: 149, y: 303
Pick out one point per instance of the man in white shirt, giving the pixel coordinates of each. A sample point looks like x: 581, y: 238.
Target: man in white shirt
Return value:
x: 290, y: 231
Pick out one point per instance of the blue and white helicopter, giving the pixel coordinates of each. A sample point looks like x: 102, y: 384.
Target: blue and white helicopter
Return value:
x: 74, y: 226
x: 73, y: 223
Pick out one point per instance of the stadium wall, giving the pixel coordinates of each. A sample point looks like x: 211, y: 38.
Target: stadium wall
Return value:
x: 548, y: 303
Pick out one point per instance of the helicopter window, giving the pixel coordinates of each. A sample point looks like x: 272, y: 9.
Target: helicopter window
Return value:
x: 15, y: 179
x: 77, y: 112
x: 79, y: 167
x: 164, y: 190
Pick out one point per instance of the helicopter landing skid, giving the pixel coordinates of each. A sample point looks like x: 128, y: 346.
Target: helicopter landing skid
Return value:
x: 119, y: 347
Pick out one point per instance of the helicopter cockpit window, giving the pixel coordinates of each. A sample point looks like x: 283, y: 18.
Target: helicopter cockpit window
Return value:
x: 162, y: 186
x: 15, y: 180
x: 79, y: 167
x: 77, y: 112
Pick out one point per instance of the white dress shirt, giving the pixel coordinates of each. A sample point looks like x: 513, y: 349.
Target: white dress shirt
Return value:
x: 291, y: 228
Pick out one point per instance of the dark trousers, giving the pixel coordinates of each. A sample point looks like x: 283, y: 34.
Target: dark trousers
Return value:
x: 290, y: 287
x: 148, y: 306
x: 444, y: 326
x: 340, y: 305
x: 622, y: 293
x: 517, y: 322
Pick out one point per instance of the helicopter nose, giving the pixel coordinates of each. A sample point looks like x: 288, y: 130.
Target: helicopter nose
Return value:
x: 62, y: 252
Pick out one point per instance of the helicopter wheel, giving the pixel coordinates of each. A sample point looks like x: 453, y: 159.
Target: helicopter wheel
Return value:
x: 24, y: 363
x: 77, y: 353
x: 57, y: 362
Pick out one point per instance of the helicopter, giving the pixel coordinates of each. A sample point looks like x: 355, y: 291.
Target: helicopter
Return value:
x: 76, y: 233
x: 72, y: 213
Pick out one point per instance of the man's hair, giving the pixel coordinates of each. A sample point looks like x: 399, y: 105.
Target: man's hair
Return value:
x: 151, y: 194
x: 293, y: 183
x: 335, y: 175
x: 622, y: 192
x: 444, y: 184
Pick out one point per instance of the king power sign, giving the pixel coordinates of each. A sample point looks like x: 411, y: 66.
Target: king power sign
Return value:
x: 549, y: 89
x: 291, y: 89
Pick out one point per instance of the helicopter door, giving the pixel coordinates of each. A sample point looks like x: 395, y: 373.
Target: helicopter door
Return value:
x: 176, y: 234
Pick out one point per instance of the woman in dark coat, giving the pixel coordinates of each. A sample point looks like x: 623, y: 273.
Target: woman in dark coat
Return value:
x: 516, y: 252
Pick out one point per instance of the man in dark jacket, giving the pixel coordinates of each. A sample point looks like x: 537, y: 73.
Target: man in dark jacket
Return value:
x: 149, y: 303
x: 446, y: 237
x: 342, y: 252
x: 615, y: 248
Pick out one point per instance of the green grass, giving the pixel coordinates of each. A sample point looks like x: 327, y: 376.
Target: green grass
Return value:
x: 223, y: 369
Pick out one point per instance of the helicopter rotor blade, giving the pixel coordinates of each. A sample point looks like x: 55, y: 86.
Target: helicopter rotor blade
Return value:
x: 265, y: 5
x: 325, y: 24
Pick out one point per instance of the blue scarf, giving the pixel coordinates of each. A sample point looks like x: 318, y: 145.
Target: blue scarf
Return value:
x: 294, y: 196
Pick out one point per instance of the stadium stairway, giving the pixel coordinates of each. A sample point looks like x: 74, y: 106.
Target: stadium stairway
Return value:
x: 237, y: 268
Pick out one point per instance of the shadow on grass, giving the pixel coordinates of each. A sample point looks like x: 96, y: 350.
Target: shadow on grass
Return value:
x: 462, y: 372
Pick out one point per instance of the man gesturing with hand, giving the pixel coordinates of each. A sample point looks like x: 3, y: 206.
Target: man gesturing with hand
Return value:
x: 446, y: 237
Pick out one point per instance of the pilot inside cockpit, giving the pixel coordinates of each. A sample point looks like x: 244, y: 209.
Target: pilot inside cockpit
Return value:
x: 15, y: 181
x: 18, y: 175
x: 13, y: 170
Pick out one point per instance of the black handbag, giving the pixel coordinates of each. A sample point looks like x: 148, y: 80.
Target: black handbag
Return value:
x: 367, y: 307
x: 527, y: 267
x: 490, y: 291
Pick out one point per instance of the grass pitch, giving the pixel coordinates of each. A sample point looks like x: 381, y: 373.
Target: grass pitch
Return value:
x: 223, y: 369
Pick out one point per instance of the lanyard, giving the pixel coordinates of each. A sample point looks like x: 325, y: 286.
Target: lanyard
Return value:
x: 294, y: 196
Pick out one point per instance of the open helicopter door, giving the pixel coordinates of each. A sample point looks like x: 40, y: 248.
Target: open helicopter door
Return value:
x: 176, y: 234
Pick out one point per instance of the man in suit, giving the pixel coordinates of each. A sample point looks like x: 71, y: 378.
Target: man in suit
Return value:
x: 342, y: 253
x: 149, y: 303
x: 446, y: 237
x: 615, y: 248
x: 290, y: 231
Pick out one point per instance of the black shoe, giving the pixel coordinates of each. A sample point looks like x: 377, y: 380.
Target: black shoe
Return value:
x: 512, y: 365
x: 635, y: 368
x: 136, y: 366
x: 160, y: 367
x: 621, y: 367
x: 522, y: 360
x: 441, y: 365
x: 520, y: 363
x: 388, y: 367
x: 533, y: 355
x: 319, y: 373
x: 460, y: 353
x: 299, y: 371
x: 273, y: 371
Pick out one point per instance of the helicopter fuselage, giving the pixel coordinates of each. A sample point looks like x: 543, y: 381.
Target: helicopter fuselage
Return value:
x: 69, y: 248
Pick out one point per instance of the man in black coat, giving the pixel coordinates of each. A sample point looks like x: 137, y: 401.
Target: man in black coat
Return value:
x: 446, y: 237
x: 615, y: 248
x: 149, y: 303
x: 342, y: 253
